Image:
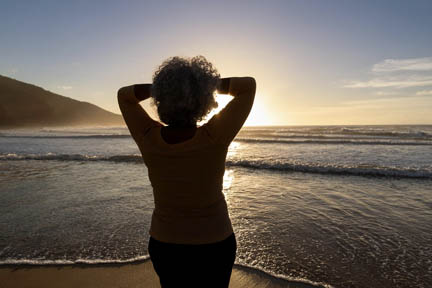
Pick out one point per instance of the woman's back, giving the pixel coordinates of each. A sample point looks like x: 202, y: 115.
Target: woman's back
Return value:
x: 187, y: 180
x: 186, y: 167
x: 187, y: 177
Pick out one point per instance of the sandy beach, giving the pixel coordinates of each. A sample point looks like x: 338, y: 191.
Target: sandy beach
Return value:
x: 118, y: 275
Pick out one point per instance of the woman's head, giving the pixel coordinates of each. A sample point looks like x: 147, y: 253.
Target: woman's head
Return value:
x: 183, y: 90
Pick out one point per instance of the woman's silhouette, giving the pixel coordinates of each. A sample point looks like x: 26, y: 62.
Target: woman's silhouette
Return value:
x: 192, y: 243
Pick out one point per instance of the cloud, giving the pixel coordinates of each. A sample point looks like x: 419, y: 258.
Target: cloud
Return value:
x: 393, y: 74
x: 65, y: 87
x: 382, y: 103
x: 411, y: 64
x: 385, y: 93
x: 394, y: 82
x: 424, y: 92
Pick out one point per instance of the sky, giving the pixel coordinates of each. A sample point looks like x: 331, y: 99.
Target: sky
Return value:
x: 315, y: 62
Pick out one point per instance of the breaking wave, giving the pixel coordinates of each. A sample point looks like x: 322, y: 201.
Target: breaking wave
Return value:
x: 358, y: 170
x: 333, y: 141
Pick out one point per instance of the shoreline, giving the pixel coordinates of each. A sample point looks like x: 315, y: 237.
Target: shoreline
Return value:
x: 133, y: 274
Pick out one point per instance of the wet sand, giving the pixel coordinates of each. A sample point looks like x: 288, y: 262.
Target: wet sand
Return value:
x: 118, y: 275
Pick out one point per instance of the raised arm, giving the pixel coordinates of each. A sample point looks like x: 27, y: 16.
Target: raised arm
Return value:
x: 136, y: 118
x: 225, y: 125
x: 237, y: 86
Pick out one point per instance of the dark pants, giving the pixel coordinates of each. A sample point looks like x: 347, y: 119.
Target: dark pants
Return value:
x: 183, y: 265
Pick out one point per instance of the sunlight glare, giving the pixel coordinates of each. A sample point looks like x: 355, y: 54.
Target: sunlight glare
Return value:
x: 227, y: 181
x: 222, y: 101
x: 258, y: 116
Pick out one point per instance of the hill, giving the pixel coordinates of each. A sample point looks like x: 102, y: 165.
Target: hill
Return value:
x: 26, y: 105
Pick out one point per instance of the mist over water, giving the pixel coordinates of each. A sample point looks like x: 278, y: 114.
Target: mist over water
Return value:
x: 345, y: 206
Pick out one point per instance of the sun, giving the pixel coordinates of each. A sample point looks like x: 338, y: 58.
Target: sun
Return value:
x: 259, y: 115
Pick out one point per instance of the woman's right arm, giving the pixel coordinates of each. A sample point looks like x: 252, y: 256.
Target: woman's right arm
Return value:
x: 225, y: 125
x: 236, y: 86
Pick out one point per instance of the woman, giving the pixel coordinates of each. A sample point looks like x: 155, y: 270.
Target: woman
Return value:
x: 191, y: 236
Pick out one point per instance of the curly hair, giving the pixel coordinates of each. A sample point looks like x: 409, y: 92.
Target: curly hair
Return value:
x: 183, y: 90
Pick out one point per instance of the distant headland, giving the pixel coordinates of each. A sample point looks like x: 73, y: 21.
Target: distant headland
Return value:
x: 24, y: 105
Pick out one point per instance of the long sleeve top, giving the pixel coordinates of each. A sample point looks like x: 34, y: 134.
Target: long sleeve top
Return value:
x: 187, y: 177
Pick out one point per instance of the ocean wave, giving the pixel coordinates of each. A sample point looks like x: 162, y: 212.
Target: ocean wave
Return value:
x: 359, y: 170
x: 404, y: 131
x: 391, y: 132
x: 45, y: 262
x: 293, y: 280
x: 331, y: 141
x: 388, y: 133
x: 90, y: 136
x: 72, y: 157
x: 264, y: 139
x: 83, y: 129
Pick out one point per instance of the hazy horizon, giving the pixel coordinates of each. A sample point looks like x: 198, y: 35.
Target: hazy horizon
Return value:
x: 316, y: 63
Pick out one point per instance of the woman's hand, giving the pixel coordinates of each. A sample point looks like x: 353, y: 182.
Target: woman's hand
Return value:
x: 223, y: 86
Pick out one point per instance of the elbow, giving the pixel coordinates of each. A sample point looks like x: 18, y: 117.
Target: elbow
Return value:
x: 253, y: 83
x: 123, y: 94
x: 250, y: 85
x: 122, y: 97
x: 120, y: 93
x: 126, y: 95
x: 242, y: 85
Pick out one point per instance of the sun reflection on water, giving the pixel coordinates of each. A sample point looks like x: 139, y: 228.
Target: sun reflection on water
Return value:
x: 227, y: 181
x: 229, y: 173
x: 233, y: 149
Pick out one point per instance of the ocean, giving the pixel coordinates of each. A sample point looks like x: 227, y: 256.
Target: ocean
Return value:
x: 337, y: 206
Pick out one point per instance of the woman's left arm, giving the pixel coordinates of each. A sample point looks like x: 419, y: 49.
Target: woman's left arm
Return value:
x: 136, y: 118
